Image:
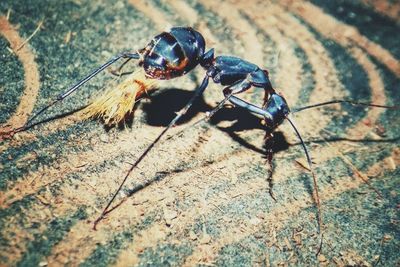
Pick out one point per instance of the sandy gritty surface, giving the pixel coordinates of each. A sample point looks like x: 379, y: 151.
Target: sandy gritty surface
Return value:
x: 201, y: 198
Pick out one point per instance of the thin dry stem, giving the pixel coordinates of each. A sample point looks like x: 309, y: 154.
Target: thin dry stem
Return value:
x: 30, y: 37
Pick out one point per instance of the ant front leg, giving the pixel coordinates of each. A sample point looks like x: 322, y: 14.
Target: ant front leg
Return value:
x: 269, y: 148
x: 117, y: 71
x: 269, y: 138
x: 129, y: 57
x: 97, y: 71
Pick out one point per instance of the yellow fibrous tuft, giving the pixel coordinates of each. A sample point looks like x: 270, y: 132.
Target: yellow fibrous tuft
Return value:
x: 113, y: 106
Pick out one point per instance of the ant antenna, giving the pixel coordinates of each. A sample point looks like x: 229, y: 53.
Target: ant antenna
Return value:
x: 65, y: 94
x: 314, y: 181
x: 355, y: 103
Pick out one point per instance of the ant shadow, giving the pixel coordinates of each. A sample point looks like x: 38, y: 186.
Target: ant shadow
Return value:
x: 164, y: 105
x: 243, y: 120
x: 162, y: 108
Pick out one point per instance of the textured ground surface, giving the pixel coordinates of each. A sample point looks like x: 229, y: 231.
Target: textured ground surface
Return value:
x: 201, y: 199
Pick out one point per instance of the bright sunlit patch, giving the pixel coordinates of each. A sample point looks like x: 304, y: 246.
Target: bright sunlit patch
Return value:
x: 116, y: 103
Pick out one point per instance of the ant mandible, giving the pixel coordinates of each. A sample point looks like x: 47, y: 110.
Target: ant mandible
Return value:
x: 173, y: 54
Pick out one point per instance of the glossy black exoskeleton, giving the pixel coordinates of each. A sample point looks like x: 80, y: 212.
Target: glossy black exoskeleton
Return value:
x: 172, y: 54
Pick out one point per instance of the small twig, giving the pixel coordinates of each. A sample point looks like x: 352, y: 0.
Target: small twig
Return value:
x: 8, y: 14
x: 68, y: 37
x: 303, y: 165
x: 34, y: 178
x: 237, y: 195
x: 380, y: 252
x: 217, y: 207
x: 361, y: 175
x: 30, y: 37
x: 10, y: 50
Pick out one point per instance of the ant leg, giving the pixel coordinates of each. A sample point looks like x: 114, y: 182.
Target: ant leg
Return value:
x: 75, y: 87
x: 95, y: 72
x: 250, y: 107
x: 182, y: 112
x: 269, y: 143
x: 211, y: 113
x: 117, y: 72
x: 229, y: 91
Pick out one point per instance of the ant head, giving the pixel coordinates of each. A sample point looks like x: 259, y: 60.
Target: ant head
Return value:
x: 276, y: 110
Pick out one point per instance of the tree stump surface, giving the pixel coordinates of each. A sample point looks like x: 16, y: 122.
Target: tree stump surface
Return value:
x: 201, y: 198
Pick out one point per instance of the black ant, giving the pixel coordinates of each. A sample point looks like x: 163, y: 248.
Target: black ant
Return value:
x: 173, y: 54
